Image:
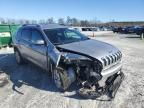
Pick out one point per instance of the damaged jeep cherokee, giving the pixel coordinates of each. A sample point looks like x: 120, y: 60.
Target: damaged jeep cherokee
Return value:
x: 71, y: 57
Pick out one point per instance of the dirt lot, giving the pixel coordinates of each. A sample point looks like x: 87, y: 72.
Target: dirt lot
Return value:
x: 29, y: 87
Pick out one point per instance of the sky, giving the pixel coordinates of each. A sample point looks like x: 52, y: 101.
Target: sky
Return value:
x: 103, y: 10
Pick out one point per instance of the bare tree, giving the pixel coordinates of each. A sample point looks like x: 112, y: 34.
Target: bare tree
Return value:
x: 61, y: 21
x: 13, y: 21
x: 2, y: 20
x: 85, y: 23
x: 42, y: 21
x: 68, y: 21
x: 27, y: 22
x: 75, y: 22
x: 34, y: 22
x: 50, y: 21
x: 21, y: 21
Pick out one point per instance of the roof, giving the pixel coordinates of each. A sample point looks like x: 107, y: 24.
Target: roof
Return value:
x: 46, y: 26
x: 52, y: 26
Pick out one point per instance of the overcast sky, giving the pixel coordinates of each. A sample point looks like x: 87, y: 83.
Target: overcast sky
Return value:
x: 104, y: 10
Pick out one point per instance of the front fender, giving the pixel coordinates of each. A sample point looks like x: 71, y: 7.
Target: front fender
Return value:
x: 54, y: 54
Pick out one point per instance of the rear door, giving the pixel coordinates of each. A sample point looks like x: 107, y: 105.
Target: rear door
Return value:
x: 25, y: 43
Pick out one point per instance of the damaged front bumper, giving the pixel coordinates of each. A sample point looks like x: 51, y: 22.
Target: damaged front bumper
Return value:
x: 99, y: 82
x: 112, y: 84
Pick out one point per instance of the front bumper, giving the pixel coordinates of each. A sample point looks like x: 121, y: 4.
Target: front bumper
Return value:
x: 109, y: 72
x: 110, y: 89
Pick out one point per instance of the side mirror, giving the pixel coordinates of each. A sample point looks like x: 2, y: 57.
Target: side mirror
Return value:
x: 39, y: 42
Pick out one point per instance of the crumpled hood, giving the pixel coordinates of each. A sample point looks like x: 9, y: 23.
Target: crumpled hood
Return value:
x: 93, y: 48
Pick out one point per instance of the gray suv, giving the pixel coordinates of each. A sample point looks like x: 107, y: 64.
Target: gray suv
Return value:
x: 71, y: 57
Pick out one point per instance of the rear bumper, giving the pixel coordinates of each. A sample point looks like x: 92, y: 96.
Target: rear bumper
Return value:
x: 109, y: 72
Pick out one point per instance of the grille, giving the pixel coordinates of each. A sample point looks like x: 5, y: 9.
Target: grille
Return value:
x: 111, y: 59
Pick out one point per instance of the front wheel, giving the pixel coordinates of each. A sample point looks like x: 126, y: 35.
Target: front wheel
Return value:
x: 60, y: 79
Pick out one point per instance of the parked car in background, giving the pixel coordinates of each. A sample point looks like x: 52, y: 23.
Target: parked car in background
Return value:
x: 103, y: 28
x: 85, y: 30
x: 96, y: 29
x: 117, y: 29
x: 137, y: 30
x: 130, y: 30
x: 89, y: 31
x: 71, y: 57
x: 133, y: 30
x: 92, y: 31
x: 124, y: 30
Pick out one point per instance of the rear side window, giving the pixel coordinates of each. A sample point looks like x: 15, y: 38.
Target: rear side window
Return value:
x: 26, y: 34
x: 17, y: 35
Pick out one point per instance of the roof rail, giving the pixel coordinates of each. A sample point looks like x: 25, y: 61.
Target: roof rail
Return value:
x: 31, y: 25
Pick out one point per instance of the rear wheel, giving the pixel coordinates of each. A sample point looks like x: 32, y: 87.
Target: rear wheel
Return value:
x: 18, y: 57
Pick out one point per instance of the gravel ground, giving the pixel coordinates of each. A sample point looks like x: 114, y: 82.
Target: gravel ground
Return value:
x: 31, y: 87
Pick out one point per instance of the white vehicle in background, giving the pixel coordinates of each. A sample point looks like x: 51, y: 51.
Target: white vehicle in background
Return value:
x: 90, y: 31
x: 96, y: 29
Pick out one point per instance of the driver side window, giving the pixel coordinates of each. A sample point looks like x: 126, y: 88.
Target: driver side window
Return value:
x: 36, y: 36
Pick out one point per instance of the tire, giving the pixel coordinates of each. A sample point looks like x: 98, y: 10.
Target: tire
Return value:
x: 60, y: 79
x: 18, y: 57
x: 116, y: 85
x: 137, y: 34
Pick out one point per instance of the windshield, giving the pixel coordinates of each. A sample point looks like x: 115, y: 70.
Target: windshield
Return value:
x: 64, y: 36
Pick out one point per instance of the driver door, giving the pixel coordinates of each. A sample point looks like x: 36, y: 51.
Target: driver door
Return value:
x: 39, y: 49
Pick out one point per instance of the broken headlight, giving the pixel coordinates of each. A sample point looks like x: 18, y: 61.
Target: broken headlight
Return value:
x: 69, y: 57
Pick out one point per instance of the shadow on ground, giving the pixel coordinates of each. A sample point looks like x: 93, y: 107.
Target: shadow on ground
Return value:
x: 131, y: 37
x: 27, y: 74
